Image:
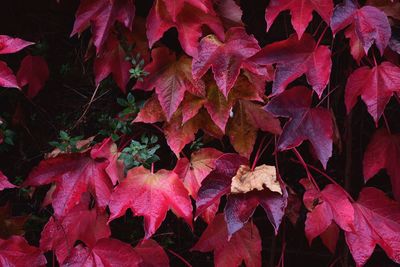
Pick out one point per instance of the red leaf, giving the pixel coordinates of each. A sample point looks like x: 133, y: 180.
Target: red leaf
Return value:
x: 383, y: 152
x: 248, y: 118
x: 191, y: 106
x: 7, y: 77
x: 152, y: 254
x: 74, y: 174
x: 297, y: 57
x: 244, y: 245
x: 376, y: 221
x: 106, y: 253
x: 330, y: 237
x: 9, y: 45
x: 34, y: 72
x: 188, y: 24
x: 227, y: 58
x: 103, y: 14
x: 218, y: 107
x: 151, y: 195
x: 107, y: 149
x: 301, y: 11
x: 371, y: 24
x: 112, y: 61
x: 174, y: 8
x: 151, y: 112
x: 81, y: 223
x: 356, y: 47
x: 193, y: 172
x: 329, y: 205
x: 16, y: 252
x: 313, y: 124
x: 179, y: 134
x: 229, y: 12
x: 171, y: 78
x: 375, y: 86
x: 4, y: 183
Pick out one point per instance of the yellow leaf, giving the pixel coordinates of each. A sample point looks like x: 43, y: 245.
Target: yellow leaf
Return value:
x: 261, y: 177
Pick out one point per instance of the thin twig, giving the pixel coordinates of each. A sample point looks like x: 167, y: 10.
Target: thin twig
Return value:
x: 87, y: 108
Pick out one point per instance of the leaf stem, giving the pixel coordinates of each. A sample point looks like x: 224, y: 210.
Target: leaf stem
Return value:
x: 179, y: 257
x: 261, y: 149
x: 327, y: 95
x: 327, y: 177
x: 302, y: 162
x: 318, y: 27
x: 321, y: 36
x: 386, y: 123
x: 278, y: 175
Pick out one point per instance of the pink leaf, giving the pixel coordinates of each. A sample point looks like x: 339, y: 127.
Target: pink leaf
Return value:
x: 33, y: 72
x: 16, y: 252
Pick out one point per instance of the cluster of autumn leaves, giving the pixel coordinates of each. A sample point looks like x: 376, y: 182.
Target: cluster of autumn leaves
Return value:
x: 217, y: 86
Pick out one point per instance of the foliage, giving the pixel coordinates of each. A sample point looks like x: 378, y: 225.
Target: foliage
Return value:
x: 189, y: 127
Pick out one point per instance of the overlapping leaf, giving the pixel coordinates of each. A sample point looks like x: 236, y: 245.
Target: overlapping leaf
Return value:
x: 188, y: 22
x: 107, y: 149
x: 9, y: 45
x: 383, y: 152
x: 371, y: 24
x: 306, y: 123
x: 375, y: 86
x: 106, y: 252
x: 102, y: 15
x: 327, y: 206
x: 244, y: 245
x: 376, y: 222
x: 240, y: 206
x: 294, y: 58
x: 16, y: 252
x: 73, y: 174
x: 179, y: 134
x: 112, y: 61
x: 226, y: 58
x: 81, y: 223
x: 229, y: 12
x: 151, y: 253
x: 171, y: 78
x: 151, y: 195
x: 248, y: 118
x: 192, y: 172
x: 300, y: 10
